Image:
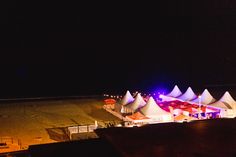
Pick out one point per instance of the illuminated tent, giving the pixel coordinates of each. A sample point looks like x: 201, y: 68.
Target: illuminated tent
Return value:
x: 227, y: 103
x: 227, y: 98
x: 128, y: 98
x: 175, y: 92
x: 137, y: 103
x: 206, y: 98
x: 188, y: 95
x: 221, y: 104
x: 152, y: 110
x: 172, y: 95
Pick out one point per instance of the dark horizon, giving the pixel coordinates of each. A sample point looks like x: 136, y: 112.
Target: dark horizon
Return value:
x: 65, y: 50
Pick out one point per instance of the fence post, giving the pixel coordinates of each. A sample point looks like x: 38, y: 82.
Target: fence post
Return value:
x: 19, y: 143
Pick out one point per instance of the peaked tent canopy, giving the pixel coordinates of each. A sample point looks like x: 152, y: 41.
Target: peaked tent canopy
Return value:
x: 227, y: 98
x: 206, y: 98
x: 152, y: 109
x: 128, y: 98
x: 188, y: 95
x: 225, y: 102
x: 137, y: 103
x: 221, y: 104
x: 175, y: 92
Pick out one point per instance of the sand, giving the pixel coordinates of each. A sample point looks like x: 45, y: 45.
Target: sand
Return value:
x: 27, y: 122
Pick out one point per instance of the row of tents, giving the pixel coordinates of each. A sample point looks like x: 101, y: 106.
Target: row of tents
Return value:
x: 149, y: 109
x: 226, y: 102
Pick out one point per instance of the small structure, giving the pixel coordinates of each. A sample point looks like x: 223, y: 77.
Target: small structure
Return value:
x: 110, y: 103
x: 184, y: 118
x: 81, y: 129
x: 138, y: 118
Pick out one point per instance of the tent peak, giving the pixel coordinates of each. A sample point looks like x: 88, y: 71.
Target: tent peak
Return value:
x: 188, y: 95
x: 227, y: 98
x: 151, y: 100
x: 175, y: 92
x: 127, y: 98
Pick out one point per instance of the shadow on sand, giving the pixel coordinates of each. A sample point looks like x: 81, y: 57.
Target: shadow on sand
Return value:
x: 58, y: 134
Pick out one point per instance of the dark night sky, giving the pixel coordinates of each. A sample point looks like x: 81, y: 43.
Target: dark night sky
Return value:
x: 65, y: 49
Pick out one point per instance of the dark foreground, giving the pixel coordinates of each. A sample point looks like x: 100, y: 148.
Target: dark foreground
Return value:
x: 209, y: 138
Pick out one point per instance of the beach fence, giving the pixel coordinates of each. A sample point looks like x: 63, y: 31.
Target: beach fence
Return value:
x: 10, y: 144
x: 81, y: 129
x: 10, y: 140
x: 7, y: 140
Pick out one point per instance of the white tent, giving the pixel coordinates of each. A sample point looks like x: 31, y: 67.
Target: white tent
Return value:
x: 221, y: 105
x: 152, y: 110
x: 226, y: 110
x: 206, y: 98
x: 172, y: 95
x: 128, y: 98
x: 188, y: 95
x: 227, y: 103
x: 137, y: 103
x: 227, y: 98
x: 175, y: 92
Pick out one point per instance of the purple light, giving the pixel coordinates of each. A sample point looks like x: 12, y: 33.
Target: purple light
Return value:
x: 157, y: 91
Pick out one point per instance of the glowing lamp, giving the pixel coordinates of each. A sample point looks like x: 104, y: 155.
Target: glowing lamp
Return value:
x: 199, y: 97
x: 161, y: 96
